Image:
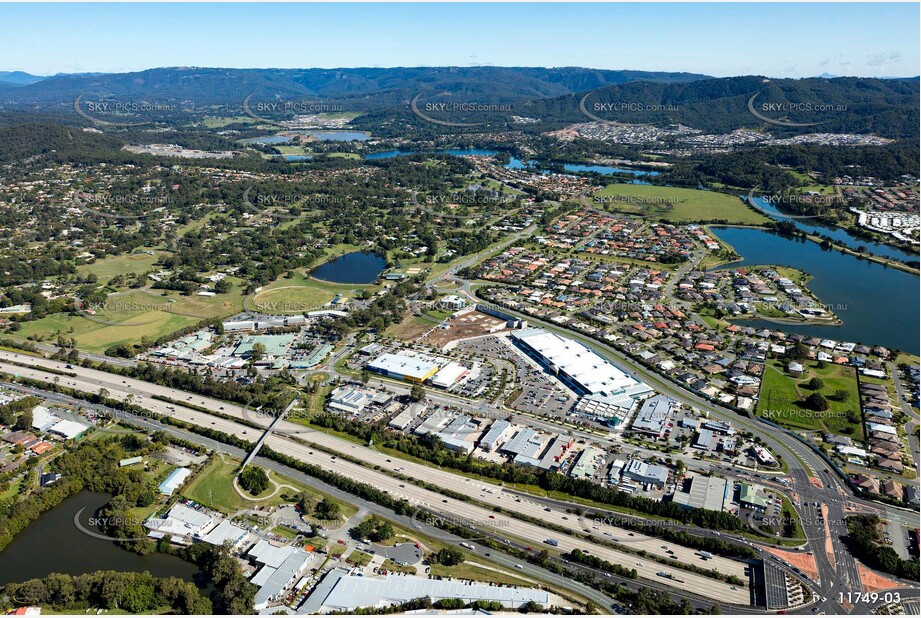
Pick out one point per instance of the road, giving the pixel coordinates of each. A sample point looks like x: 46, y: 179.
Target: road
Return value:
x: 142, y: 393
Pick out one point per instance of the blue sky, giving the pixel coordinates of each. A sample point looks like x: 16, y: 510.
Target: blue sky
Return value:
x: 777, y: 40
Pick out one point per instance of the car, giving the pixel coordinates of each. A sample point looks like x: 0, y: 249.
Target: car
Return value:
x: 445, y: 501
x: 518, y: 566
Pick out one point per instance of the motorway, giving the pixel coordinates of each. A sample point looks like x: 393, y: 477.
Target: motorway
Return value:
x: 142, y: 393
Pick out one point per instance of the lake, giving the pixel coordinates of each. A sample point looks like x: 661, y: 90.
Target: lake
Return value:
x: 53, y: 544
x: 357, y: 267
x: 269, y: 139
x: 878, y: 305
x: 840, y: 235
x: 337, y: 136
x: 517, y: 164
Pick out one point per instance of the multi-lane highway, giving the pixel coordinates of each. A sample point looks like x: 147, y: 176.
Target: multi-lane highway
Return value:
x: 143, y: 393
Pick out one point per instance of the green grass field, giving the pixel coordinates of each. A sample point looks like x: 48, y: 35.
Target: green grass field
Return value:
x: 135, y: 314
x: 213, y: 487
x: 677, y: 205
x: 290, y: 299
x: 109, y: 267
x: 782, y: 398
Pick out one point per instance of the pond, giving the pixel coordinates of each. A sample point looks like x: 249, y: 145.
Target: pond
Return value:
x: 54, y: 544
x: 357, y: 267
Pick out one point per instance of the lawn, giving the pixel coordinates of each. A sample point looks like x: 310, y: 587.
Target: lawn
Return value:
x: 466, y: 570
x: 136, y: 314
x: 213, y: 487
x: 677, y: 205
x: 109, y: 267
x: 291, y: 299
x: 359, y: 558
x: 782, y: 398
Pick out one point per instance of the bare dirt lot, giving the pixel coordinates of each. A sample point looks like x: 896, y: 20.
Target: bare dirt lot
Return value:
x: 472, y: 324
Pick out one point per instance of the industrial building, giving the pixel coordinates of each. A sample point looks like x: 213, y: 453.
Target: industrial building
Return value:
x: 350, y: 400
x: 643, y: 472
x: 180, y: 522
x: 402, y: 367
x: 174, y: 481
x: 580, y: 368
x: 587, y: 464
x: 449, y: 375
x: 452, y: 302
x: 341, y: 591
x: 498, y: 432
x: 654, y: 415
x: 460, y: 434
x: 705, y: 492
x: 279, y: 566
x: 67, y: 430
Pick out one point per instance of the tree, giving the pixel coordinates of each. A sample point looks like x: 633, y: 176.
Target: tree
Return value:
x: 24, y: 422
x: 840, y: 395
x: 817, y: 402
x: 449, y: 556
x: 254, y: 480
x: 257, y: 353
x: 326, y: 509
x: 815, y: 384
x: 417, y: 392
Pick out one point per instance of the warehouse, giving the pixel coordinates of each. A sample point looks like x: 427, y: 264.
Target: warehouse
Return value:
x: 449, y: 375
x: 401, y: 367
x: 279, y: 568
x: 642, y: 472
x: 588, y: 463
x: 174, y: 481
x: 180, y: 521
x: 350, y: 400
x: 497, y: 433
x: 705, y: 492
x: 460, y: 434
x: 348, y: 592
x: 654, y: 415
x: 578, y: 367
x: 67, y: 430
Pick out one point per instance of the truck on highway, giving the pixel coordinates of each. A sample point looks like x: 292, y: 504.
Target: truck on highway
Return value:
x: 552, y: 542
x: 468, y: 546
x: 705, y: 555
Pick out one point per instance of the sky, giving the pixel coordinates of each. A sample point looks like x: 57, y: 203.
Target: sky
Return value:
x: 776, y: 40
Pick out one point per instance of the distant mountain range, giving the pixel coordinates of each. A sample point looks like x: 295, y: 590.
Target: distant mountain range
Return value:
x: 546, y: 97
x: 19, y: 78
x: 208, y: 86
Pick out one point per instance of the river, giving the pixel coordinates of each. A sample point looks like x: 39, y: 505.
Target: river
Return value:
x: 53, y: 544
x: 878, y: 305
x: 839, y: 235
